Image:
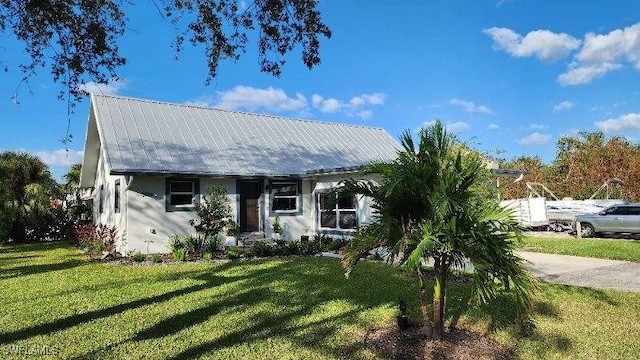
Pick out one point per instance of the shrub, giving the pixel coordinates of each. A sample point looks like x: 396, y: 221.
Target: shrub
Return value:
x: 207, y: 256
x: 310, y: 247
x: 179, y: 255
x: 261, y: 249
x: 155, y: 258
x: 213, y: 244
x: 139, y: 257
x: 233, y: 254
x: 96, y: 239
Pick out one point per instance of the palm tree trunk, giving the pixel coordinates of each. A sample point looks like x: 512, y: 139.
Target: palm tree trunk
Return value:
x: 424, y: 305
x: 439, y: 292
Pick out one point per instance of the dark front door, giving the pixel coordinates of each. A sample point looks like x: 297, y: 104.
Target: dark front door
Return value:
x: 249, y: 192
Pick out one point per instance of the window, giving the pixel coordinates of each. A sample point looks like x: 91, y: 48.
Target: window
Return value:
x: 116, y: 196
x: 341, y: 216
x: 181, y: 194
x: 101, y: 199
x: 285, y: 197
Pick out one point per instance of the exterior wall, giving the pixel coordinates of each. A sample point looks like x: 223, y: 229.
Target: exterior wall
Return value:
x: 105, y: 191
x: 307, y: 223
x: 149, y: 225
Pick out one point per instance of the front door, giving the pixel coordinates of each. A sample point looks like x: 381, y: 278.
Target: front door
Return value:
x: 249, y: 192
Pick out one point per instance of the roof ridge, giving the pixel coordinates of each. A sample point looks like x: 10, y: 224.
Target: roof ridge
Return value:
x: 236, y: 111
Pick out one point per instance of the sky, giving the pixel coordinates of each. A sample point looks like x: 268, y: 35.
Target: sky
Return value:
x: 510, y: 77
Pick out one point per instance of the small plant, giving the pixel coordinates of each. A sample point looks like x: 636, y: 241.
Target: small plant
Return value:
x: 179, y: 255
x: 207, y: 256
x: 277, y: 226
x: 232, y: 228
x: 213, y: 244
x: 155, y: 258
x: 176, y: 242
x: 138, y: 257
x: 233, y: 254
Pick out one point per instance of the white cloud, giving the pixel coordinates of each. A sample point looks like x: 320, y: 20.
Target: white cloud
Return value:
x: 563, y: 106
x: 249, y: 98
x: 602, y: 53
x: 579, y: 74
x: 113, y: 87
x: 493, y: 127
x: 469, y: 106
x: 628, y: 122
x: 535, y: 139
x: 543, y: 44
x: 354, y: 107
x: 536, y: 126
x: 276, y: 100
x: 60, y: 157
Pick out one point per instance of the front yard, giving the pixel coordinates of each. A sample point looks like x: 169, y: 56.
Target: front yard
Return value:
x: 613, y: 249
x: 55, y: 301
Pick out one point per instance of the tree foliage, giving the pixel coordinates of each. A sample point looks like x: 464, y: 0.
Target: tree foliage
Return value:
x: 582, y: 164
x: 214, y: 212
x: 27, y: 193
x: 428, y: 204
x: 78, y: 39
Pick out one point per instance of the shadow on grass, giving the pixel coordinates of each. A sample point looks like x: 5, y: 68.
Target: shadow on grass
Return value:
x: 12, y: 272
x: 74, y: 320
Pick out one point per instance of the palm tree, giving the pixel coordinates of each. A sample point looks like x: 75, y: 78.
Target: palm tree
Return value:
x: 430, y: 203
x: 28, y: 185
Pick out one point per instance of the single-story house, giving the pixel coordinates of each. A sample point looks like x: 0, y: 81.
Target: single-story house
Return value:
x: 147, y: 162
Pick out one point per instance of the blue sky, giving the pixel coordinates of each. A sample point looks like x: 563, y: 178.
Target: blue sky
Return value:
x: 513, y: 75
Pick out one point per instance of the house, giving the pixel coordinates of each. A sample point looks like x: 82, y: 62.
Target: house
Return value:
x: 147, y: 162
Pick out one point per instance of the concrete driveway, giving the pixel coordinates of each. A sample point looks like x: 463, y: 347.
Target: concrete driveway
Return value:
x: 583, y: 271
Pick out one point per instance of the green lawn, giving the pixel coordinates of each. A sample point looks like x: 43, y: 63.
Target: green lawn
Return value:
x: 614, y: 249
x: 53, y: 299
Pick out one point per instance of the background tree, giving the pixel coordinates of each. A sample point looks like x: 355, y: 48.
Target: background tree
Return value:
x: 428, y: 205
x: 537, y: 172
x: 29, y: 189
x: 78, y: 39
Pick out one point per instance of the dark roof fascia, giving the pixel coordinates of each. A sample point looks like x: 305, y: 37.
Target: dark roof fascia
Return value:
x: 308, y: 174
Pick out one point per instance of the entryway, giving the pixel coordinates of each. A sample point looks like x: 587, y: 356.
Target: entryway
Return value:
x: 249, y: 193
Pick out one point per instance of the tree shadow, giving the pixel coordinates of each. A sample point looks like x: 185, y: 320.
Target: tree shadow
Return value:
x: 13, y: 272
x: 74, y: 320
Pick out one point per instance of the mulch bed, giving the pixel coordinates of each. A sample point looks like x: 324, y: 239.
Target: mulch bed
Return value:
x: 391, y: 343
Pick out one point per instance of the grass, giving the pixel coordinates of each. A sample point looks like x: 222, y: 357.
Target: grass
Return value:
x: 628, y: 250
x: 56, y: 301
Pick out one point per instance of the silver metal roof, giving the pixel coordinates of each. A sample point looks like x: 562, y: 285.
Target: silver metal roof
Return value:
x: 143, y: 136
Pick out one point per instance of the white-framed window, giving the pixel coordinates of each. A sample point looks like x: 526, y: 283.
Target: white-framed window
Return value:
x: 181, y: 194
x: 285, y: 197
x: 341, y: 216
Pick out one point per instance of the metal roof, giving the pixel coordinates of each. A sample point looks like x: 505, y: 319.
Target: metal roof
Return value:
x: 151, y: 137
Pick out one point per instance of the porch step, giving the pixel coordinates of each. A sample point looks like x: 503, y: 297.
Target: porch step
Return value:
x: 247, y: 239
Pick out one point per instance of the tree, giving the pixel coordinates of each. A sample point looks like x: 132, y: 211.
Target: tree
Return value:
x: 428, y: 205
x: 29, y: 188
x: 214, y: 212
x: 78, y: 39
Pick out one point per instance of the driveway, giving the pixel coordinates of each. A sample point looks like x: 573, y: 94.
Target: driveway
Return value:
x: 583, y: 271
